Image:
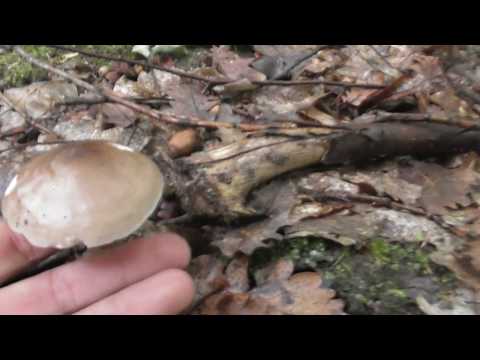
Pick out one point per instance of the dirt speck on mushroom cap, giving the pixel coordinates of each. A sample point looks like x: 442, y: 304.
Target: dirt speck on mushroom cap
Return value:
x: 90, y: 192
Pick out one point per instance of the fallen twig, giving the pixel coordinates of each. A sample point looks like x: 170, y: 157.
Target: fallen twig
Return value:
x: 26, y: 145
x: 216, y: 82
x: 102, y: 100
x: 27, y: 118
x: 155, y: 116
x: 286, y: 72
x: 377, y: 201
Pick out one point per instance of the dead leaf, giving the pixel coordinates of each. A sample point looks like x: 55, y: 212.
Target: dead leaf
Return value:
x: 208, y: 276
x: 117, y: 70
x: 233, y: 66
x: 430, y: 186
x: 466, y: 264
x: 327, y: 60
x: 277, y: 102
x: 320, y: 116
x: 284, y: 50
x: 279, y: 270
x: 276, y: 200
x: 442, y: 188
x: 386, y: 181
x: 357, y: 96
x: 301, y: 294
x: 237, y: 274
x: 116, y: 114
x: 38, y: 100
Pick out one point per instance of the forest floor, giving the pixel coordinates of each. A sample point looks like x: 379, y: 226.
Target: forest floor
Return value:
x: 308, y: 179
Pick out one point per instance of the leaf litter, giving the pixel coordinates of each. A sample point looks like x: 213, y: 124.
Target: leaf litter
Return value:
x: 427, y: 203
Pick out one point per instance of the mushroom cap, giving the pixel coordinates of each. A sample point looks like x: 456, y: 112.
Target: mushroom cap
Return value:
x: 90, y: 192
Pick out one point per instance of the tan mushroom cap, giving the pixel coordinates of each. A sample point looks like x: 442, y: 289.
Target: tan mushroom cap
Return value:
x: 90, y: 192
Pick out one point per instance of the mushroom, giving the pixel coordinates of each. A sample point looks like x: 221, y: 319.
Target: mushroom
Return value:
x: 90, y: 192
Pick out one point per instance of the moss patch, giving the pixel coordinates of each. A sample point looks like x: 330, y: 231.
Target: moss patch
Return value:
x: 15, y: 72
x: 382, y: 278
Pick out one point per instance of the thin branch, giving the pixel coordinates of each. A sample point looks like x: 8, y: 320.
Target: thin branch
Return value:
x: 384, y: 59
x: 386, y: 203
x: 304, y: 58
x: 212, y: 82
x: 316, y: 82
x: 101, y: 100
x: 23, y: 146
x: 27, y: 118
x: 141, y: 63
x: 13, y: 132
x: 155, y: 116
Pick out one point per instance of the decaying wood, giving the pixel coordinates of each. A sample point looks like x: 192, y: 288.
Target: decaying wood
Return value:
x: 216, y: 183
x: 223, y: 178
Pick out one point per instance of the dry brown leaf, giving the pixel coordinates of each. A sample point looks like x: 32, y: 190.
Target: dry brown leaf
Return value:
x: 227, y: 303
x: 279, y: 270
x: 38, y: 100
x: 117, y: 70
x: 116, y: 114
x: 442, y: 188
x: 283, y: 103
x: 237, y: 274
x: 320, y: 116
x: 466, y: 264
x: 189, y: 101
x: 453, y: 106
x: 277, y: 200
x: 433, y: 187
x: 233, y: 66
x: 357, y: 96
x: 208, y: 276
x: 327, y: 60
x: 301, y: 294
x: 385, y: 180
x: 283, y: 50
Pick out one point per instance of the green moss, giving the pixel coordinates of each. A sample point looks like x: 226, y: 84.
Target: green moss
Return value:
x: 121, y: 51
x: 382, y: 278
x: 15, y: 72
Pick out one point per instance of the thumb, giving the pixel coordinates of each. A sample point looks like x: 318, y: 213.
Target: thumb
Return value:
x: 16, y: 253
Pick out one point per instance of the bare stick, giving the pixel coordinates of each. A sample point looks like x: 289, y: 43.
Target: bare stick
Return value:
x: 218, y: 81
x: 101, y: 100
x: 155, y: 116
x: 27, y: 118
x: 308, y: 56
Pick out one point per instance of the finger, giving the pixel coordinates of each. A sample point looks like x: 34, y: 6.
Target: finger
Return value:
x: 74, y: 286
x: 16, y: 253
x: 166, y: 293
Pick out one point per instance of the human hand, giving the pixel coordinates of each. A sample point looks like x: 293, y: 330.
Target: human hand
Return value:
x: 140, y: 277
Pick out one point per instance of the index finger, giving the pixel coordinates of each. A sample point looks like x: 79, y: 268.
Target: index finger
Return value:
x: 16, y: 253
